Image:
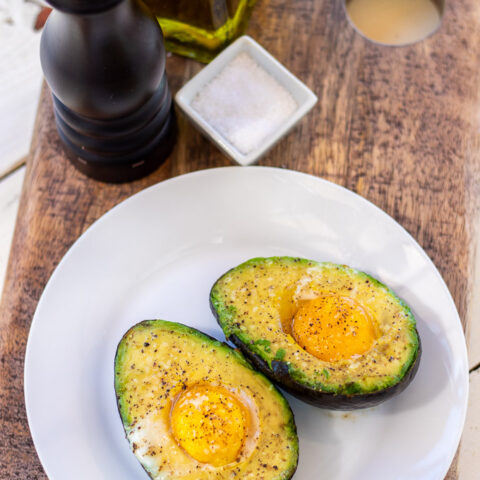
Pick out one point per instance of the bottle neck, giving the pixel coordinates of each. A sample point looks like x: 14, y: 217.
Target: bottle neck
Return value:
x: 81, y: 7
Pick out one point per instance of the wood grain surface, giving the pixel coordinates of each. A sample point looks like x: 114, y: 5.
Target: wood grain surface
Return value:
x: 399, y: 126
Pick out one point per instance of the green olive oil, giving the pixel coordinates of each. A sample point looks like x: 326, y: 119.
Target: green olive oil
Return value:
x: 200, y: 29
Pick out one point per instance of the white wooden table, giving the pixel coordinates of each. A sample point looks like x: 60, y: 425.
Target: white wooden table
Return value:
x: 20, y: 82
x: 12, y: 171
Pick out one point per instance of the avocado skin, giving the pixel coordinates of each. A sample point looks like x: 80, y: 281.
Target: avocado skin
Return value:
x: 279, y: 371
x: 290, y: 425
x: 280, y: 374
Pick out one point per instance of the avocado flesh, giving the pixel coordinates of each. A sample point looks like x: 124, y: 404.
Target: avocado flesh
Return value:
x: 255, y: 302
x: 157, y: 360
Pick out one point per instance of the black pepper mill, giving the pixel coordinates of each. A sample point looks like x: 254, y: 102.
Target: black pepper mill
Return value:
x: 104, y: 61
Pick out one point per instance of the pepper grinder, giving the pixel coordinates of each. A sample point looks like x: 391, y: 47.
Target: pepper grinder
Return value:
x: 104, y: 61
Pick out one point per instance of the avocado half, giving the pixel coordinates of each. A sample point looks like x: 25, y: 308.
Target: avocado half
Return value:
x: 157, y: 363
x: 255, y: 304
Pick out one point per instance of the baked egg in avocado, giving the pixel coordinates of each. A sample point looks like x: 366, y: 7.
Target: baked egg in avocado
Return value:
x: 333, y: 336
x: 193, y: 408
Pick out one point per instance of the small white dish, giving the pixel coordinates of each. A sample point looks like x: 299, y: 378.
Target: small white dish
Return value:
x: 302, y: 95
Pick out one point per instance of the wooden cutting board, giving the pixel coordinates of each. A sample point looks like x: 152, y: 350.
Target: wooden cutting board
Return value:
x: 399, y: 126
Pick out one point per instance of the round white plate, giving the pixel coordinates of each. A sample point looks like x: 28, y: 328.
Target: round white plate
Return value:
x: 157, y: 254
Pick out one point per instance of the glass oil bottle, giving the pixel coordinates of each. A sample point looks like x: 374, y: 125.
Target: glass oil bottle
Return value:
x: 200, y: 29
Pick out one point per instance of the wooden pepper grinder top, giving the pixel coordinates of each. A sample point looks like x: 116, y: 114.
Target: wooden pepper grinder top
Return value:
x: 104, y: 61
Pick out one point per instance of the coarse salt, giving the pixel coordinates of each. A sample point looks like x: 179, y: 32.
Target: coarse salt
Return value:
x: 244, y: 103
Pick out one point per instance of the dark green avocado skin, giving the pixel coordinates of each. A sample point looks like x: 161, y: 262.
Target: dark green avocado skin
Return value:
x: 279, y: 373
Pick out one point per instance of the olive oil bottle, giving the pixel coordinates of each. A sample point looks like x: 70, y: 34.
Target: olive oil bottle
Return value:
x: 200, y: 29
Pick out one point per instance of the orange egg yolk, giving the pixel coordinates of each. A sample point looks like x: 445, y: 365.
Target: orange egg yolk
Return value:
x: 333, y: 328
x: 210, y: 424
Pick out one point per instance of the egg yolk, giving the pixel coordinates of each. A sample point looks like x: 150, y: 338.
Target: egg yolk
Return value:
x: 210, y: 424
x: 333, y: 327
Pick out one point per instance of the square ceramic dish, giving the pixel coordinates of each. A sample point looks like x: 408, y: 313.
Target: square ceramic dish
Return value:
x: 302, y: 95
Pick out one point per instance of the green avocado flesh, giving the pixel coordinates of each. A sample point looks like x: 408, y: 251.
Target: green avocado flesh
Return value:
x: 155, y: 362
x: 256, y: 301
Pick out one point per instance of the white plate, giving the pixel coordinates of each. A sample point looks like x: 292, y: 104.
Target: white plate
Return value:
x: 157, y: 254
